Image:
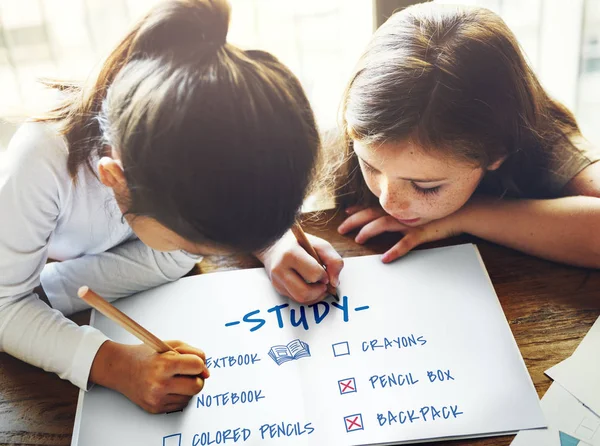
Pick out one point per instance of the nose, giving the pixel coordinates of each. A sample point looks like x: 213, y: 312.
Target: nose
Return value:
x: 391, y: 198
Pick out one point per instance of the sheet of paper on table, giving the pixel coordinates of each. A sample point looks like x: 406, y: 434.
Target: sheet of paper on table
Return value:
x: 564, y: 414
x: 567, y: 402
x: 580, y: 373
x: 415, y: 350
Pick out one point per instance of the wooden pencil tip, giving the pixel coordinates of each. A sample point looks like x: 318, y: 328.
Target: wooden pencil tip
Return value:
x: 83, y: 291
x: 333, y: 292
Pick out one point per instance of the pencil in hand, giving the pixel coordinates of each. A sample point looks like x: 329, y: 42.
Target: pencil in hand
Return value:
x: 305, y: 244
x: 165, y: 367
x: 117, y: 316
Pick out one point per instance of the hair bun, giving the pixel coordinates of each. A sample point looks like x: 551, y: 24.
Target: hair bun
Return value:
x: 174, y: 25
x: 212, y: 17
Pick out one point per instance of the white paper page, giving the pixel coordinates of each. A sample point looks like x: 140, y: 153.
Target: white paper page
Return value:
x: 537, y: 437
x: 366, y: 379
x: 580, y: 374
x: 564, y: 413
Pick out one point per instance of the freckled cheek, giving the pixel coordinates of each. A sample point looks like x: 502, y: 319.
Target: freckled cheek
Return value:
x: 433, y: 206
x: 372, y: 183
x: 450, y: 202
x: 427, y: 206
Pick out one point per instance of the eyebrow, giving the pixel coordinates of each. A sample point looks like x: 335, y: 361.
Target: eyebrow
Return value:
x: 414, y: 180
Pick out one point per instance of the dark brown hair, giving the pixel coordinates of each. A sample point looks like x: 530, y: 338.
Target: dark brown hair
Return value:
x: 452, y: 80
x: 218, y: 144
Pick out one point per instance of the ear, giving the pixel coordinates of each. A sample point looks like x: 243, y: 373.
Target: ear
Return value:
x: 112, y: 175
x: 496, y: 164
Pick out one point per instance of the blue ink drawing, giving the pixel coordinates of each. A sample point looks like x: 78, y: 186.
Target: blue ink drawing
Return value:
x: 341, y: 349
x: 347, y: 385
x: 172, y: 440
x: 295, y: 350
x: 354, y: 422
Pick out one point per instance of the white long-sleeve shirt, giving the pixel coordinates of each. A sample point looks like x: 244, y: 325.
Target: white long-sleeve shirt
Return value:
x: 43, y: 214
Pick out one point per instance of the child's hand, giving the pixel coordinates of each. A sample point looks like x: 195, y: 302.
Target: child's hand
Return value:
x: 374, y: 221
x: 157, y: 382
x: 295, y: 274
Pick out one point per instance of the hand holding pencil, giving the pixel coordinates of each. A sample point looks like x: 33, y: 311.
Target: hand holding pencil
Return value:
x: 156, y: 375
x: 307, y: 246
x: 302, y: 267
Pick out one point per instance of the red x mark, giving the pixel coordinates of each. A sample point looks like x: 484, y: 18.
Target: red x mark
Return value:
x: 347, y: 386
x: 352, y: 423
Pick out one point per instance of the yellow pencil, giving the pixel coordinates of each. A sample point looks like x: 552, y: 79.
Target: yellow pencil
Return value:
x: 123, y: 320
x: 305, y: 243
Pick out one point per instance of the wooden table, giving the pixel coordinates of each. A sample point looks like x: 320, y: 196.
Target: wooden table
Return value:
x: 550, y: 308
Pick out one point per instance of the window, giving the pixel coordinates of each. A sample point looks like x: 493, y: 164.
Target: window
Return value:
x: 320, y: 40
x: 562, y: 43
x: 588, y: 93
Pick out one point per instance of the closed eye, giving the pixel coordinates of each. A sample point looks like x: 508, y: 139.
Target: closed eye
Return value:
x: 426, y: 190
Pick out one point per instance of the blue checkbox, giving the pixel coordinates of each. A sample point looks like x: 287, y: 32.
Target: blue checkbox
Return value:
x: 341, y: 349
x: 172, y: 440
x: 354, y: 423
x: 347, y: 385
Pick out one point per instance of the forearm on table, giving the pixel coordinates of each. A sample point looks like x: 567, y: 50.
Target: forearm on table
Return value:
x: 36, y: 334
x: 562, y: 229
x: 119, y: 272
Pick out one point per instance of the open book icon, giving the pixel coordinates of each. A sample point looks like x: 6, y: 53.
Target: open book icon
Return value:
x: 295, y: 349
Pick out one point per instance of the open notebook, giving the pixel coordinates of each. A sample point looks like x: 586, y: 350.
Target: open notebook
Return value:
x: 416, y: 350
